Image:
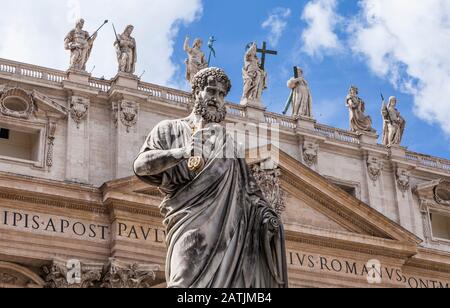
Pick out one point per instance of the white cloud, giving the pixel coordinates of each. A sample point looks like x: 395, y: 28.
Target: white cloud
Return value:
x: 408, y: 43
x: 33, y: 32
x: 276, y: 23
x: 322, y: 19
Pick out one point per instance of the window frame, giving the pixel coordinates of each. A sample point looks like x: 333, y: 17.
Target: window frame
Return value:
x: 24, y: 126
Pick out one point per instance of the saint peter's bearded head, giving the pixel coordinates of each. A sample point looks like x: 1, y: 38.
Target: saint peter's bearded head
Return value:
x: 209, y: 89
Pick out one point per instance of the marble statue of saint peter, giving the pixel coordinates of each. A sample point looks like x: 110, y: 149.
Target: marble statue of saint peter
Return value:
x: 221, y: 232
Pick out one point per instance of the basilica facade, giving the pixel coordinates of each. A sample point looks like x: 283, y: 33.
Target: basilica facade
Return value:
x: 73, y: 214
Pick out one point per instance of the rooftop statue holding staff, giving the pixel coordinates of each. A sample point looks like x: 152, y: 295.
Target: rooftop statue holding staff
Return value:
x: 394, y: 124
x: 221, y: 231
x: 126, y: 50
x: 300, y: 98
x: 80, y: 44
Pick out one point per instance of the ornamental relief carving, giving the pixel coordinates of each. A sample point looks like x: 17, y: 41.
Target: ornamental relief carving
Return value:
x: 310, y: 153
x: 442, y: 193
x: 17, y: 103
x: 79, y: 108
x: 50, y: 142
x: 74, y: 274
x: 374, y: 168
x: 403, y: 177
x: 121, y: 275
x: 127, y: 112
x: 269, y: 182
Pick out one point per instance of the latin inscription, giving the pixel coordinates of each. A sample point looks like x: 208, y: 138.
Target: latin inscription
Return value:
x: 341, y: 266
x: 77, y: 229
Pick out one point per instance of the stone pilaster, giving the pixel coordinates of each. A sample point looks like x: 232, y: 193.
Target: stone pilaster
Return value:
x: 125, y: 119
x: 374, y: 180
x: 78, y: 139
x: 404, y: 197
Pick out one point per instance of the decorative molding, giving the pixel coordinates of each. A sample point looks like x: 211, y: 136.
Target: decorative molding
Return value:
x: 95, y: 208
x: 16, y: 276
x: 6, y: 278
x: 50, y: 142
x: 442, y: 193
x: 268, y: 179
x: 425, y: 213
x: 128, y: 113
x: 310, y: 153
x: 79, y: 108
x: 403, y: 180
x: 374, y: 168
x: 85, y: 275
x: 122, y: 275
x: 22, y: 97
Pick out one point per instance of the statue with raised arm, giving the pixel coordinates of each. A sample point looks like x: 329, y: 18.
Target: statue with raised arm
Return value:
x: 254, y: 76
x: 221, y: 231
x: 394, y: 124
x: 196, y: 58
x: 301, y: 96
x: 80, y: 44
x: 126, y: 51
x: 359, y: 122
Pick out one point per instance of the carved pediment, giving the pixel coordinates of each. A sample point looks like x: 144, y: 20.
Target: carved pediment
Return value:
x: 314, y: 203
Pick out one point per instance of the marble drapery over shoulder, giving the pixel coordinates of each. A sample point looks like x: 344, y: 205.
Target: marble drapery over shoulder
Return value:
x: 359, y: 122
x: 301, y: 97
x: 393, y: 124
x: 221, y: 233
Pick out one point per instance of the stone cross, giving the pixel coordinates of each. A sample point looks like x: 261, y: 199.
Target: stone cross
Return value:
x: 264, y: 51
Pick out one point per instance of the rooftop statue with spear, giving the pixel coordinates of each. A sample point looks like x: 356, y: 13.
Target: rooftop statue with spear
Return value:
x: 80, y: 44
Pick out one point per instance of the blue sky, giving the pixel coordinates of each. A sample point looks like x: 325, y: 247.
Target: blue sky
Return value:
x: 374, y: 44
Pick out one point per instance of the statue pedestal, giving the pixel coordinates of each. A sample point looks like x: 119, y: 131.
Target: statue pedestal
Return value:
x: 369, y: 138
x: 397, y: 151
x: 126, y: 80
x: 254, y: 110
x: 306, y: 123
x: 78, y: 76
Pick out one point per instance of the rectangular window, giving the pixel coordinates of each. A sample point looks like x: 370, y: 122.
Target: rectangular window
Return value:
x: 4, y: 133
x: 20, y: 144
x: 440, y: 225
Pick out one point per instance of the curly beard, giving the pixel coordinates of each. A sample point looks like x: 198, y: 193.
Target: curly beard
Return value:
x: 201, y: 107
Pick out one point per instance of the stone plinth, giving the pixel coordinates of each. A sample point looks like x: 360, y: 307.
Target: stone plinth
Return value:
x: 254, y: 110
x: 306, y: 123
x: 77, y: 76
x: 126, y: 80
x: 369, y: 138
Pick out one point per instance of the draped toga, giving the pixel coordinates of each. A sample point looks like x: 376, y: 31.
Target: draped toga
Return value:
x: 218, y: 222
